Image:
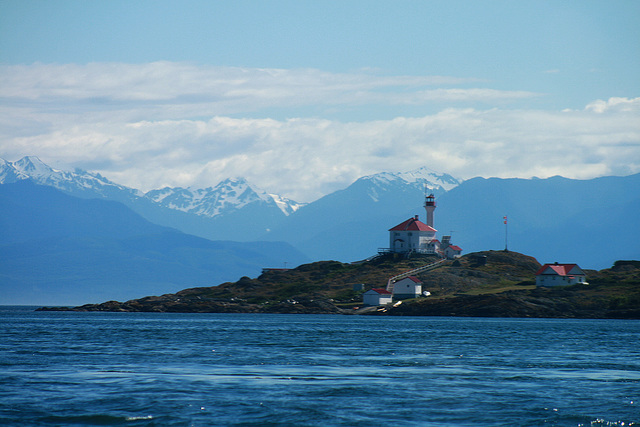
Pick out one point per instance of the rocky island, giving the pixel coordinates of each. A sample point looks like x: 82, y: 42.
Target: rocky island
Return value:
x: 481, y: 284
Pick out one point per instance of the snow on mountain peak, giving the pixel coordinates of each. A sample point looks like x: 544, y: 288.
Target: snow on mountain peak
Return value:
x: 33, y: 167
x: 78, y: 182
x: 9, y: 174
x: 443, y: 180
x: 287, y: 206
x: 160, y: 194
x: 423, y: 177
x: 240, y: 191
x: 228, y: 195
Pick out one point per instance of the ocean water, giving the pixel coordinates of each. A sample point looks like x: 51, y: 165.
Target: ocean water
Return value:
x: 142, y: 369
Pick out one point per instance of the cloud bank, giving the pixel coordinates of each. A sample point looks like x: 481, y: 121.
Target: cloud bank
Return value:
x: 175, y: 124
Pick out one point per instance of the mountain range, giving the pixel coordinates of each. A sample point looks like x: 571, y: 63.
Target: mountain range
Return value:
x: 209, y: 212
x: 234, y: 209
x: 351, y: 224
x: 58, y: 249
x: 591, y: 222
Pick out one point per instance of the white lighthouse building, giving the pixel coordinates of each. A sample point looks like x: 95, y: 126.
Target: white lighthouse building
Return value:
x: 413, y: 235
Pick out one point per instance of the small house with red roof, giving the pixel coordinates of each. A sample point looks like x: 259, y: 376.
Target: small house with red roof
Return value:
x: 409, y: 287
x: 377, y: 297
x: 452, y: 251
x: 560, y: 275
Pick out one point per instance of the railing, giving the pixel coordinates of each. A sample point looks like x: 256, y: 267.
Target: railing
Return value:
x: 412, y: 272
x: 428, y: 251
x: 425, y: 250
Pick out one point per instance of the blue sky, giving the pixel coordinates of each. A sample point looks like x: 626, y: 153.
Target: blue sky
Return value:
x: 153, y: 93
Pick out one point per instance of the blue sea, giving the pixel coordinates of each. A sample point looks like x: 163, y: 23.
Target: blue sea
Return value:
x: 153, y: 369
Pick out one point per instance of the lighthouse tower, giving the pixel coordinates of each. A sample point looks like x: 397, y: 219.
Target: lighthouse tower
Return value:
x: 430, y: 206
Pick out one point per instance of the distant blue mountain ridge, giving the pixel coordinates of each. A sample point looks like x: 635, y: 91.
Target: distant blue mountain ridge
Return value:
x: 58, y: 249
x: 590, y: 222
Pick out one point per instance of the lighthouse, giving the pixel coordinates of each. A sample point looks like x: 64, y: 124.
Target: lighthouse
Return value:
x: 430, y: 206
x: 414, y: 236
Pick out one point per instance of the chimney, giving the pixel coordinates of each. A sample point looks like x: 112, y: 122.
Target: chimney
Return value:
x: 415, y: 217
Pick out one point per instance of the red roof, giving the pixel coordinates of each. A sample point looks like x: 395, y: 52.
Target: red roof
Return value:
x: 455, y: 248
x: 559, y: 269
x: 412, y: 224
x: 381, y: 291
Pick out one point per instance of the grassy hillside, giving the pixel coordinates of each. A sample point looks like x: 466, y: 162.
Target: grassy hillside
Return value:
x: 612, y: 293
x: 492, y: 283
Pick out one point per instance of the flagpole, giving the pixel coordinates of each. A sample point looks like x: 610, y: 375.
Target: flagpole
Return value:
x: 506, y: 233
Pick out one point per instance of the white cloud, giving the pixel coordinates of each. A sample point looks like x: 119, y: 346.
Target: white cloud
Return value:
x: 305, y: 158
x: 614, y: 104
x: 160, y: 124
x: 178, y: 90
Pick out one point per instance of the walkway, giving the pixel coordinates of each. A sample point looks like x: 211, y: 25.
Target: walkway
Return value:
x: 413, y: 272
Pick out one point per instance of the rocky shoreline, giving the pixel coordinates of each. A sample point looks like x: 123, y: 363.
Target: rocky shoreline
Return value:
x: 501, y: 287
x: 497, y: 305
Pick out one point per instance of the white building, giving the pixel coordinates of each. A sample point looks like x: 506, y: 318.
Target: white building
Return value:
x: 560, y: 275
x: 409, y: 287
x: 415, y: 236
x: 377, y: 297
x: 452, y: 251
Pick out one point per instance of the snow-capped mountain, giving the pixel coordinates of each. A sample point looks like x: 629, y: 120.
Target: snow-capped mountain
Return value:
x: 422, y: 178
x: 358, y: 215
x: 78, y: 183
x: 56, y: 249
x: 9, y: 174
x: 423, y: 175
x: 352, y: 223
x: 227, y: 196
x: 232, y: 210
x: 237, y: 210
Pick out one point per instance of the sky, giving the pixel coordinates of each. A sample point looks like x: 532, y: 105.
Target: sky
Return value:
x: 303, y: 97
